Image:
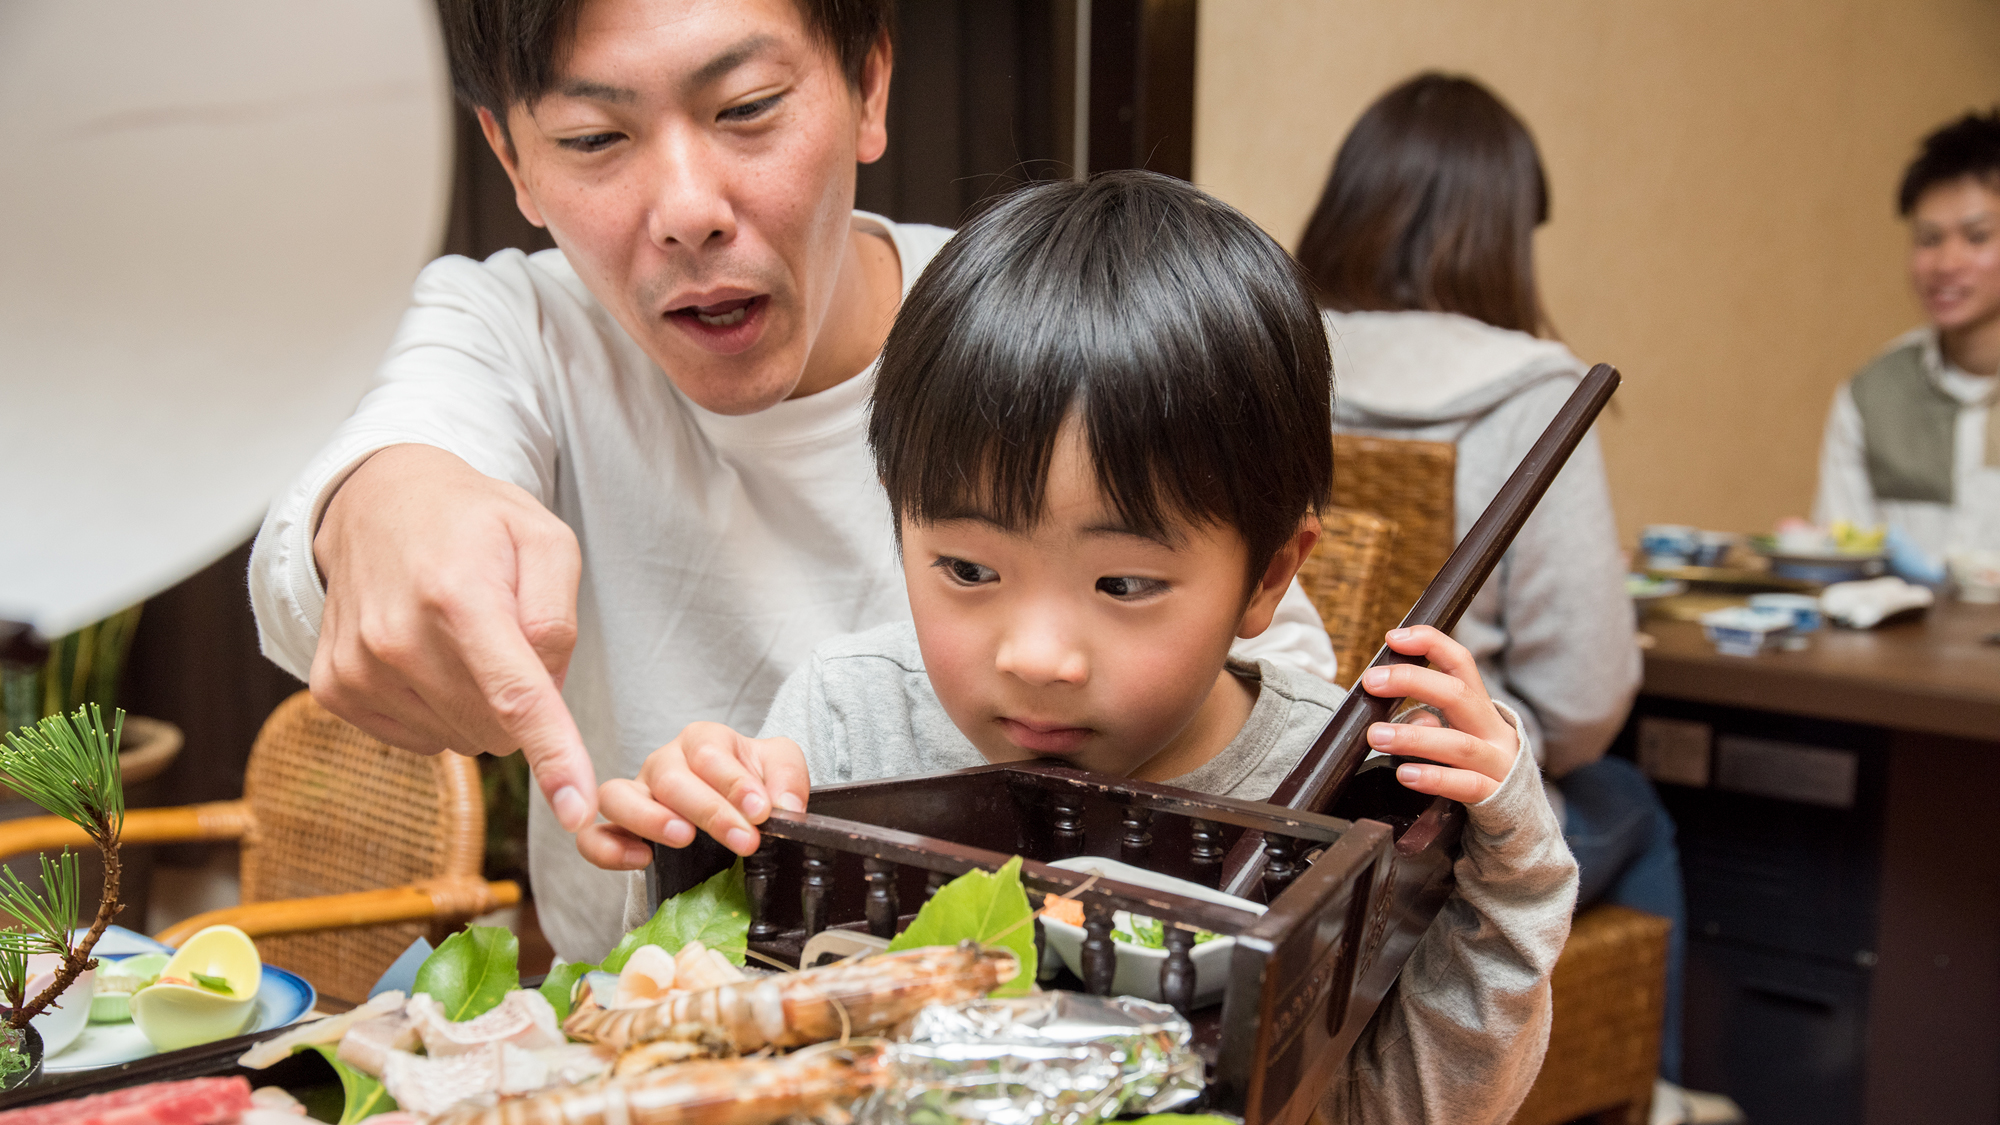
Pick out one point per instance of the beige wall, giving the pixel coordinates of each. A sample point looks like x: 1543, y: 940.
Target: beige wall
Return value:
x: 1722, y: 175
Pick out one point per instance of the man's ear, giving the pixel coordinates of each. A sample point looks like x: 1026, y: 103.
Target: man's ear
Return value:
x: 504, y: 149
x: 1270, y: 589
x: 872, y: 132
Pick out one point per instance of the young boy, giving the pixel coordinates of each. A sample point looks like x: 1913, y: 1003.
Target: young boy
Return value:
x: 1102, y: 421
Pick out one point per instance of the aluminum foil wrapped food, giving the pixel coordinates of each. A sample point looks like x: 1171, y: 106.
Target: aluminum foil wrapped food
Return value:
x: 1058, y: 1057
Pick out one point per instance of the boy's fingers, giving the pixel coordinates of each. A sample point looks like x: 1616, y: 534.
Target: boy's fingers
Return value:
x: 726, y: 764
x: 1454, y: 748
x: 783, y: 766
x: 612, y: 848
x: 695, y: 799
x: 1464, y: 702
x: 1463, y: 786
x: 630, y: 806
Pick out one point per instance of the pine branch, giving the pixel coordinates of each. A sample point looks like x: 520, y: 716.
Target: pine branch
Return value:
x: 68, y: 765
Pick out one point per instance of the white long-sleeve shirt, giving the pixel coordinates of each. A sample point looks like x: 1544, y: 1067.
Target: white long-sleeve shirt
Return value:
x: 1971, y: 521
x: 717, y: 550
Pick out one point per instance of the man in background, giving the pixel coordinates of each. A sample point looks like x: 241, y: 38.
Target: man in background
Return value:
x: 1913, y: 440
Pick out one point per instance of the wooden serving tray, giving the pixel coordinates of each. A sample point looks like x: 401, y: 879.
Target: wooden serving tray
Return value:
x: 1347, y: 900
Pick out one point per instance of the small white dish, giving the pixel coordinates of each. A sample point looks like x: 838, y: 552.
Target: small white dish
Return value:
x: 1138, y: 972
x: 62, y: 1021
x: 282, y: 999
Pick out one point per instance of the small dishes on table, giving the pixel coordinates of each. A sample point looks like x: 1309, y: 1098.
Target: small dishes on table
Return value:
x: 207, y: 991
x: 282, y: 998
x: 1138, y: 972
x: 1745, y: 630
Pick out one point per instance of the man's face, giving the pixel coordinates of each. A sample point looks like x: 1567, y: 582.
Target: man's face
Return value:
x: 1080, y: 640
x: 695, y: 161
x: 1955, y: 254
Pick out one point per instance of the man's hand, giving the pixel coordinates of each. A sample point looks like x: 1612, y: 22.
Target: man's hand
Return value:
x: 450, y: 617
x: 1473, y: 754
x: 710, y: 778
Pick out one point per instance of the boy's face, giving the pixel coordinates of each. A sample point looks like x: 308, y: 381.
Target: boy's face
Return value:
x: 1082, y: 641
x: 695, y: 161
x: 1955, y: 254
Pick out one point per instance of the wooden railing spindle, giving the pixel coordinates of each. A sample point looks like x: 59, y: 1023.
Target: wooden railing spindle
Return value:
x: 932, y: 882
x: 1067, y: 821
x: 1100, y: 957
x: 1206, y: 852
x: 814, y: 886
x: 1281, y: 864
x: 1177, y: 971
x: 1136, y: 845
x: 759, y: 868
x: 881, y: 876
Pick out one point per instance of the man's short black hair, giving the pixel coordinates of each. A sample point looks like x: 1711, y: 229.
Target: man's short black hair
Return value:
x: 1185, y: 340
x: 1969, y: 146
x: 507, y: 51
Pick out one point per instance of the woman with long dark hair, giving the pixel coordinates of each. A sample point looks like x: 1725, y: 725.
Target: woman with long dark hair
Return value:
x: 1421, y: 250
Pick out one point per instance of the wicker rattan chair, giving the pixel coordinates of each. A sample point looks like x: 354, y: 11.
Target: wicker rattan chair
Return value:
x: 1610, y: 983
x: 351, y: 848
x: 1343, y: 577
x: 1410, y: 483
x: 1610, y: 991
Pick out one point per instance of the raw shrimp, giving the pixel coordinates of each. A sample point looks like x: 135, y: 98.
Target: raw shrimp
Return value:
x: 705, y: 1092
x: 856, y: 997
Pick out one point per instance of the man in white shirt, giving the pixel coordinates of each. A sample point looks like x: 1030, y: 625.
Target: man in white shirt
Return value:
x: 1913, y: 439
x: 606, y: 490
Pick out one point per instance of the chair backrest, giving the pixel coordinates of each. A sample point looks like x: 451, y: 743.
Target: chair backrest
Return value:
x: 336, y: 811
x: 1343, y: 577
x: 1414, y: 484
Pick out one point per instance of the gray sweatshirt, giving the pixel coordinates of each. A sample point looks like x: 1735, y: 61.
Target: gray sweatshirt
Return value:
x: 1553, y: 628
x: 1460, y: 1038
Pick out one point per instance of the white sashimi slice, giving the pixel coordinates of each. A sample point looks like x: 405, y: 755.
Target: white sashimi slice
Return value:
x: 524, y: 1019
x: 327, y: 1030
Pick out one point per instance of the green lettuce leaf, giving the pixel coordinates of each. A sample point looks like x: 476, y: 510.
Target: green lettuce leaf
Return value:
x: 472, y: 971
x: 560, y: 983
x: 365, y: 1096
x: 716, y: 913
x: 989, y: 909
x: 1181, y: 1119
x: 213, y: 984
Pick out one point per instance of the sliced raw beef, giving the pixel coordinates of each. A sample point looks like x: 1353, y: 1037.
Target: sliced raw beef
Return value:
x: 196, y: 1101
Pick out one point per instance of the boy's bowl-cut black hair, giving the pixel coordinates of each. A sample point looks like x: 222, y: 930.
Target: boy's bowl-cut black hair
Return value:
x: 1185, y: 339
x: 1969, y: 146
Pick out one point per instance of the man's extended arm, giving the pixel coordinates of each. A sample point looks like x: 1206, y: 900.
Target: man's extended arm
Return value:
x: 413, y: 575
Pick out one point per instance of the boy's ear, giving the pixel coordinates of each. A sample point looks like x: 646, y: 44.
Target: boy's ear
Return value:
x: 1270, y: 589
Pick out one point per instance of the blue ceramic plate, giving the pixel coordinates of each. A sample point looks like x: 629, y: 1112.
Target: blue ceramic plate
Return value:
x: 282, y: 998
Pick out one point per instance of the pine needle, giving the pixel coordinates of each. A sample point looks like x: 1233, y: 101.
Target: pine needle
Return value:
x: 68, y: 765
x: 13, y: 968
x: 50, y: 913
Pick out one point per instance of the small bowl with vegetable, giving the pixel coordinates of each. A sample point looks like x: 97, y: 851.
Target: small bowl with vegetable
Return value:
x: 207, y: 991
x: 1140, y: 942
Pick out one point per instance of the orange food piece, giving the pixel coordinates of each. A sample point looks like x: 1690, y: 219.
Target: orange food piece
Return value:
x: 1062, y: 909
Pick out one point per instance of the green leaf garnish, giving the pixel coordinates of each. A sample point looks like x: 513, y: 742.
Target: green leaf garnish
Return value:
x: 560, y: 984
x: 213, y: 984
x: 472, y: 971
x: 716, y: 913
x: 365, y: 1096
x: 989, y: 909
x: 1182, y: 1119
